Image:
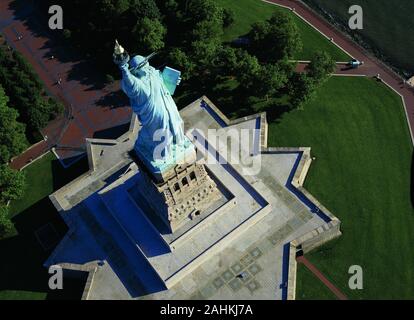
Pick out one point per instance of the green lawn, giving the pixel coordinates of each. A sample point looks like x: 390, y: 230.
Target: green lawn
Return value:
x: 248, y: 12
x: 308, y: 287
x: 359, y: 135
x: 22, y: 275
x: 388, y: 26
x: 37, y: 188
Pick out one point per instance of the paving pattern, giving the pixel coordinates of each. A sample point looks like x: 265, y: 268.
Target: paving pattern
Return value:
x: 90, y: 106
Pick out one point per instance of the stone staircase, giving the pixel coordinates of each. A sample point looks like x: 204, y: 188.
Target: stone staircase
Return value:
x: 123, y: 255
x: 134, y: 222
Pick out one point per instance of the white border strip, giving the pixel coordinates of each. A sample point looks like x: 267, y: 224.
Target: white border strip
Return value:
x: 306, y: 21
x: 405, y: 109
x: 34, y: 160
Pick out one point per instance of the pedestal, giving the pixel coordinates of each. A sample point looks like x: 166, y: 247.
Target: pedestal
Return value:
x: 164, y: 169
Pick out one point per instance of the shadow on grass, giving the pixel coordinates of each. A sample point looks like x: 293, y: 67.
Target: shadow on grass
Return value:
x: 34, y: 15
x: 23, y: 256
x: 21, y: 268
x: 234, y: 101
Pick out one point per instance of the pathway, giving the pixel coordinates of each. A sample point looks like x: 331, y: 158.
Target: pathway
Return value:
x: 371, y: 67
x: 91, y: 108
x: 322, y: 278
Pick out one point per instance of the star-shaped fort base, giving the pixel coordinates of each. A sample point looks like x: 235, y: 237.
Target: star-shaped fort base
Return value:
x: 242, y: 246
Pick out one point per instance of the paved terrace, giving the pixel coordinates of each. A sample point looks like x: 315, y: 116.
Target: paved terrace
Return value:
x: 259, y: 251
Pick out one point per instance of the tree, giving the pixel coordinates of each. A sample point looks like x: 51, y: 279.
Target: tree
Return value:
x: 67, y: 34
x: 275, y: 39
x: 171, y: 10
x: 203, y: 55
x: 303, y: 86
x: 201, y: 10
x: 180, y: 60
x: 12, y: 184
x: 208, y: 30
x: 248, y: 69
x: 149, y: 34
x: 270, y: 79
x: 227, y: 60
x: 26, y: 92
x: 302, y: 89
x: 6, y: 226
x: 228, y: 18
x: 205, y: 19
x: 109, y: 79
x: 321, y: 67
x: 39, y: 114
x: 168, y: 5
x: 113, y: 8
x: 145, y: 9
x: 12, y: 133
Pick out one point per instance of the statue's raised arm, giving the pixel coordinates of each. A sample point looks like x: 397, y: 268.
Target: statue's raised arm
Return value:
x: 162, y: 126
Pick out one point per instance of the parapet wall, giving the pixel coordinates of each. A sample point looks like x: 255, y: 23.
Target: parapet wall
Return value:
x: 316, y: 237
x: 307, y: 243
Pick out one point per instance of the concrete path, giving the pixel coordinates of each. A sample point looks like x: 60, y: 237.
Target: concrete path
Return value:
x: 372, y: 66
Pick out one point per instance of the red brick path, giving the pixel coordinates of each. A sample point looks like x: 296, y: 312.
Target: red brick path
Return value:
x: 86, y: 111
x: 322, y: 278
x: 85, y: 114
x: 372, y: 66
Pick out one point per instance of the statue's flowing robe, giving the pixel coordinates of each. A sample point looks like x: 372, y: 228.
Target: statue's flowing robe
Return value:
x: 155, y: 107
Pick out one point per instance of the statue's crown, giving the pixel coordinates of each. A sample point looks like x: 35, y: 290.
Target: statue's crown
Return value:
x: 139, y: 61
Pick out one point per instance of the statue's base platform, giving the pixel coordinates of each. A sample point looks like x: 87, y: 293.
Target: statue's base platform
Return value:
x: 164, y: 169
x: 182, y: 199
x: 173, y: 255
x: 114, y: 230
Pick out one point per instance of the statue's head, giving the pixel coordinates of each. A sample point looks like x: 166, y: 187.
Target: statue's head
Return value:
x: 137, y: 64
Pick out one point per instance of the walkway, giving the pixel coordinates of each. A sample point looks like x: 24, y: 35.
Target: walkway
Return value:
x: 321, y: 277
x: 91, y: 107
x: 371, y: 67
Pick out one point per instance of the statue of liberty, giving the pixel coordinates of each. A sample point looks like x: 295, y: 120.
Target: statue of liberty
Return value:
x: 161, y: 139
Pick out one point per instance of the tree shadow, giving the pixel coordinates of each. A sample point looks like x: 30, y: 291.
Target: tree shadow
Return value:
x: 237, y: 102
x: 83, y: 68
x: 275, y: 112
x: 23, y: 254
x: 113, y: 100
x: 346, y: 68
